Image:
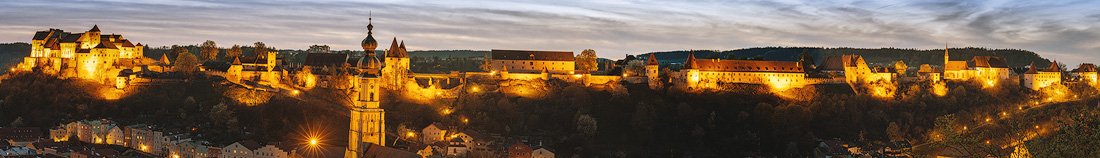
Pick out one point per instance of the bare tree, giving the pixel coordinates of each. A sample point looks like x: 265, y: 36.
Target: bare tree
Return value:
x: 233, y: 52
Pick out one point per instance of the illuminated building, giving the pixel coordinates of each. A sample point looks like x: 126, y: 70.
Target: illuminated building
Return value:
x: 533, y: 62
x: 1036, y: 79
x: 396, y: 71
x: 652, y: 72
x: 434, y: 132
x: 1086, y: 73
x: 988, y: 69
x: 709, y: 73
x: 368, y: 119
x: 89, y: 55
x: 927, y: 73
x: 856, y: 71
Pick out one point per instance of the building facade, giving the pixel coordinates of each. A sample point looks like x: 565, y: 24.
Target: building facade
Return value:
x: 89, y: 55
x: 709, y: 73
x: 532, y: 62
x: 1036, y: 78
x: 1086, y: 73
x: 987, y: 69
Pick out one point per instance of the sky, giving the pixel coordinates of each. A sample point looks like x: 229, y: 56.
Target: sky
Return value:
x: 1067, y: 31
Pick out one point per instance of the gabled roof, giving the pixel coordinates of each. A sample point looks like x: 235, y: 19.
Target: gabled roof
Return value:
x: 499, y: 54
x: 988, y: 62
x: 370, y: 150
x: 956, y: 65
x: 925, y: 68
x: 251, y: 145
x: 237, y: 60
x: 105, y: 44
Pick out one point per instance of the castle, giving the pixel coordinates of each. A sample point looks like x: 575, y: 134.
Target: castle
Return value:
x: 709, y: 73
x: 108, y: 59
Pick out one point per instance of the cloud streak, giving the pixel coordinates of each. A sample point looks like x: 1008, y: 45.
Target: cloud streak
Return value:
x: 1065, y: 30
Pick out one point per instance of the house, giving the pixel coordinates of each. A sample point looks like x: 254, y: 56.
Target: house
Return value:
x: 433, y: 133
x: 542, y: 153
x: 144, y: 138
x: 20, y: 136
x: 519, y: 150
x: 242, y: 149
x: 1086, y: 72
x: 456, y: 147
x: 371, y: 150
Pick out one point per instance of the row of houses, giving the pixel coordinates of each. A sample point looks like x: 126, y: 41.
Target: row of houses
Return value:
x: 439, y: 140
x: 163, y: 142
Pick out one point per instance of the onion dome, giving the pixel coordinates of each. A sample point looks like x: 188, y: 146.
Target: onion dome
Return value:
x: 369, y: 44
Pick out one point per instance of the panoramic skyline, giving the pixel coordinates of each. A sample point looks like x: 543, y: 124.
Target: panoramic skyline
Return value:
x: 1062, y: 30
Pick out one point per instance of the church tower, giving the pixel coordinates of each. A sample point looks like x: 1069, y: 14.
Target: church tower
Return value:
x: 946, y: 56
x: 368, y: 119
x: 652, y: 73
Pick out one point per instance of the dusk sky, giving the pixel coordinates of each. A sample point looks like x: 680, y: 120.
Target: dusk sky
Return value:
x: 1067, y: 31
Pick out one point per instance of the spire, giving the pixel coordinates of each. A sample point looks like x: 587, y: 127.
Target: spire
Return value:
x: 691, y: 61
x: 370, y: 24
x: 393, y: 48
x: 652, y: 60
x: 946, y: 55
x: 95, y: 28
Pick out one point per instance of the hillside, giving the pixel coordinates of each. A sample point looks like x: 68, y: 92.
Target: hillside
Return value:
x: 12, y: 53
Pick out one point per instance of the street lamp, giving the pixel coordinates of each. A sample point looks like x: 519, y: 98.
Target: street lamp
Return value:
x: 313, y: 142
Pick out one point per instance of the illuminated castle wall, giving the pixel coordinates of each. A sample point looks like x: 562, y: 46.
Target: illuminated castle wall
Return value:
x: 856, y: 71
x: 709, y: 73
x: 1036, y: 79
x: 89, y: 55
x: 526, y: 61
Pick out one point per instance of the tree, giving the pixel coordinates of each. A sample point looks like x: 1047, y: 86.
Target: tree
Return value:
x: 233, y: 52
x: 260, y: 49
x: 586, y: 61
x: 894, y: 132
x: 587, y: 126
x: 900, y: 66
x: 634, y: 68
x: 209, y: 51
x: 176, y: 50
x: 186, y: 63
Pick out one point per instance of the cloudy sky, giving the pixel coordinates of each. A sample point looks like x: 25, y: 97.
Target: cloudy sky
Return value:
x: 1068, y: 31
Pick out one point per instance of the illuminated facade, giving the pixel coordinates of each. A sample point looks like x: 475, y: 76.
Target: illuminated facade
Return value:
x: 987, y: 69
x: 709, y: 73
x: 396, y: 71
x: 368, y: 119
x: 1036, y: 79
x: 927, y: 73
x: 89, y: 55
x: 652, y: 72
x: 532, y: 62
x: 1086, y: 72
x: 856, y: 71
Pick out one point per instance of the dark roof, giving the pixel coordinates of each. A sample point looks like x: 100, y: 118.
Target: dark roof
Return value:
x: 71, y: 37
x: 377, y: 151
x: 498, y: 54
x: 1085, y: 67
x: 691, y: 64
x: 252, y: 60
x: 41, y: 35
x: 105, y: 44
x: 95, y: 28
x: 251, y: 145
x: 397, y: 51
x: 1053, y: 67
x: 325, y: 59
x: 832, y: 63
x: 988, y: 62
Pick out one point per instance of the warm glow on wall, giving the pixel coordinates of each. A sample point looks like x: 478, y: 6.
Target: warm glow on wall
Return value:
x: 990, y: 83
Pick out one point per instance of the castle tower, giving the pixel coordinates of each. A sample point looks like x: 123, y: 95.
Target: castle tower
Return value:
x: 691, y: 72
x: 651, y: 72
x: 397, y: 66
x: 368, y: 119
x: 91, y: 38
x: 946, y: 55
x: 234, y: 72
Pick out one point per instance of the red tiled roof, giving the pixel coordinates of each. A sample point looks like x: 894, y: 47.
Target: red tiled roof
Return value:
x: 651, y: 60
x: 1085, y: 67
x: 748, y: 66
